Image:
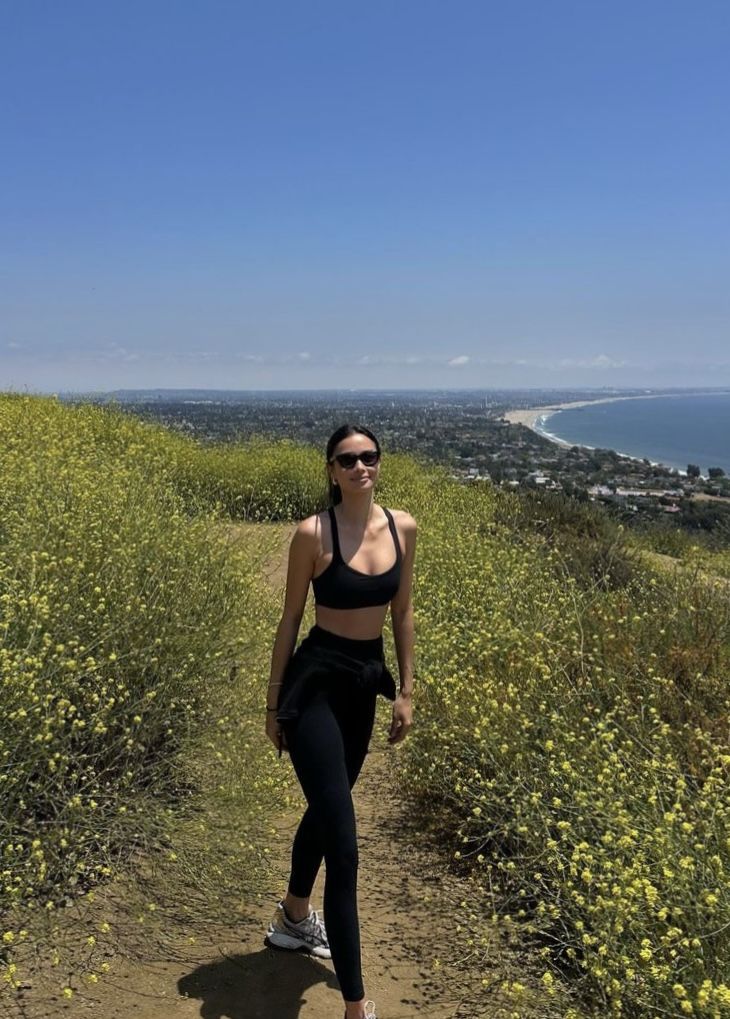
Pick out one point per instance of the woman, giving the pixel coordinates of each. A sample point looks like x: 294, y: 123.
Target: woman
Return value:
x: 321, y: 700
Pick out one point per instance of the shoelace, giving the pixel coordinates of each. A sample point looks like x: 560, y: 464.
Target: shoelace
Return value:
x: 314, y: 926
x: 369, y: 1010
x: 317, y: 925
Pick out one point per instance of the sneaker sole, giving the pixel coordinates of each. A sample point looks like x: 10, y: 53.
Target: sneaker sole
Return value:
x: 279, y: 940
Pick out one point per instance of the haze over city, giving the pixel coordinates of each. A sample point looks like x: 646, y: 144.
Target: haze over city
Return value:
x: 329, y: 195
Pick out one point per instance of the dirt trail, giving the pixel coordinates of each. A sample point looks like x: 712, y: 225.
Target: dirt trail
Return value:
x: 408, y: 907
x: 407, y: 910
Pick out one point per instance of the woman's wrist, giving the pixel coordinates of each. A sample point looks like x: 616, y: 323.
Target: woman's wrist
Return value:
x: 272, y: 687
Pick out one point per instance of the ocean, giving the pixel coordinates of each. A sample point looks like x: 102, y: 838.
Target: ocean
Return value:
x: 671, y: 430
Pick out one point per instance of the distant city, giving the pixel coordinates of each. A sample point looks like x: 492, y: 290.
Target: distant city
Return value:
x: 462, y: 429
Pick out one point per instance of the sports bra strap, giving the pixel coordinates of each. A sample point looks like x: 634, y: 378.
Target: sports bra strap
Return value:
x: 336, y: 554
x: 394, y: 532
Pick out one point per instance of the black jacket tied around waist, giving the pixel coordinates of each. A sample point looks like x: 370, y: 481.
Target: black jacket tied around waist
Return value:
x: 314, y: 666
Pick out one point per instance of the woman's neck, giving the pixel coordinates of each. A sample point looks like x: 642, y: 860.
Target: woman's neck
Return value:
x: 357, y: 513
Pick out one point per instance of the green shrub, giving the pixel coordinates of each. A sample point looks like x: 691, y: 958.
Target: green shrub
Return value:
x: 573, y: 738
x: 118, y: 616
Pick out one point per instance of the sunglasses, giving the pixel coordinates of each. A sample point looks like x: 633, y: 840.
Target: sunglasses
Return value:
x: 348, y: 460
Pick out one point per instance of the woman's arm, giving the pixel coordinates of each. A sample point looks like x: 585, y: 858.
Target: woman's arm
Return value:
x: 302, y: 555
x: 401, y: 608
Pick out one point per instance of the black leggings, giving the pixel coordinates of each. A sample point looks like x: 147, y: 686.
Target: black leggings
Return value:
x: 327, y: 744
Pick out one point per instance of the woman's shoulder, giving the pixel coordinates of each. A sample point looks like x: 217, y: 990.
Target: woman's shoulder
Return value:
x: 311, y: 525
x: 403, y: 520
x: 306, y: 538
x: 309, y: 531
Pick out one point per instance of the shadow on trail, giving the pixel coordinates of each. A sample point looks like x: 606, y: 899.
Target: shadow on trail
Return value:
x: 256, y: 985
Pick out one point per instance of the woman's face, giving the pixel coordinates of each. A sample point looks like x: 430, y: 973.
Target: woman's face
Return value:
x: 359, y: 476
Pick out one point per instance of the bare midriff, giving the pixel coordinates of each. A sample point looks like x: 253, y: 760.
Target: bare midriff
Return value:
x: 358, y: 624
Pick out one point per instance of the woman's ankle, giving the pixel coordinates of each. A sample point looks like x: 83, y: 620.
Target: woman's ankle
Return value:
x: 355, y: 1009
x: 297, y: 908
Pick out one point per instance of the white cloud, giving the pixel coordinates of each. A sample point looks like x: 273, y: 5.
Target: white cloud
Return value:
x: 457, y: 362
x: 112, y: 352
x: 372, y: 360
x: 243, y: 356
x: 600, y: 361
x: 198, y: 355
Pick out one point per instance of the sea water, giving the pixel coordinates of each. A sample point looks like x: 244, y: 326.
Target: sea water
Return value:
x: 672, y: 430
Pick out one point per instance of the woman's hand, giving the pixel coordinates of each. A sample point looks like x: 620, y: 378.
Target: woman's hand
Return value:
x: 274, y: 731
x: 402, y: 718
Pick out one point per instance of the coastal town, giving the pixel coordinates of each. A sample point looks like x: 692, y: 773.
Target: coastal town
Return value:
x: 632, y: 483
x: 481, y: 436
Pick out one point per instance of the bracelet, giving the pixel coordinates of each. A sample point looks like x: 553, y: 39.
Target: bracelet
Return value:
x: 272, y: 709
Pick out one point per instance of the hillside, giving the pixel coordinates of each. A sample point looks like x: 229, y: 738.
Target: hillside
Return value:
x: 570, y: 750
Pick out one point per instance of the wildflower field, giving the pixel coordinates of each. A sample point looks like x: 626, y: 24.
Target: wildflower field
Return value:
x: 126, y: 619
x: 573, y: 733
x: 571, y: 705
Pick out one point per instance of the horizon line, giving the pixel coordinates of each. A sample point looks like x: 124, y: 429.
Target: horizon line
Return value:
x: 369, y: 389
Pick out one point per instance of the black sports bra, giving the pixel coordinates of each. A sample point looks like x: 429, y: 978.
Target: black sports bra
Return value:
x: 339, y: 586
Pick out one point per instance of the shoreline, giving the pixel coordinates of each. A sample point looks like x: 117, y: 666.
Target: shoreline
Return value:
x: 530, y: 416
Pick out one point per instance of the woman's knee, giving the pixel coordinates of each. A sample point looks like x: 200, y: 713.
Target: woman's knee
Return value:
x: 342, y: 862
x: 340, y: 837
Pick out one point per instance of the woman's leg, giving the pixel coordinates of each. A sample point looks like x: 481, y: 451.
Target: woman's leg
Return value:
x: 307, y: 848
x: 318, y: 753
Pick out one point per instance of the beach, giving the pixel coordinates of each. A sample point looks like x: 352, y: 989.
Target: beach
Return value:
x: 656, y: 452
x: 529, y: 416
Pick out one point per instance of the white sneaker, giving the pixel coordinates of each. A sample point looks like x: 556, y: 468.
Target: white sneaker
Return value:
x: 369, y: 1007
x: 310, y: 933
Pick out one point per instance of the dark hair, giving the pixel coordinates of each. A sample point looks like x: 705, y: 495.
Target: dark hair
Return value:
x: 333, y: 491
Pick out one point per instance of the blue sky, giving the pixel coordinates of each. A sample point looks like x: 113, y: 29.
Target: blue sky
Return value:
x: 306, y: 195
